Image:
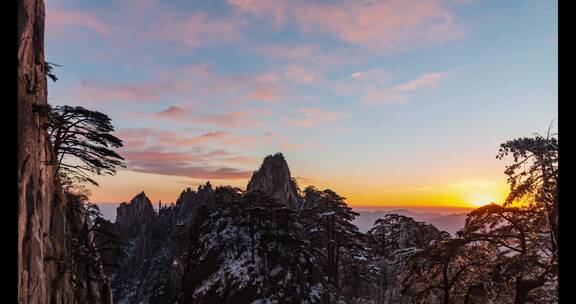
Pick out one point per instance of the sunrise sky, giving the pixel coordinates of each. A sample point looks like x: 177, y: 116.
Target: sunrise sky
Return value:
x: 388, y: 103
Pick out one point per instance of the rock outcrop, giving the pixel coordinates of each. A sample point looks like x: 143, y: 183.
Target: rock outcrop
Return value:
x: 132, y: 218
x: 190, y: 201
x: 157, y: 245
x: 274, y: 178
x: 142, y: 276
x: 47, y: 272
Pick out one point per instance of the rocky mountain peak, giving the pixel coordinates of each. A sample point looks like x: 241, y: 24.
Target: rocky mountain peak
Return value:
x: 186, y: 196
x: 190, y: 200
x: 132, y: 217
x: 274, y: 178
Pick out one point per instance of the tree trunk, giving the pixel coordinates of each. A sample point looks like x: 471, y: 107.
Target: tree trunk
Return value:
x: 553, y: 220
x: 523, y: 287
x: 446, y: 284
x: 336, y: 262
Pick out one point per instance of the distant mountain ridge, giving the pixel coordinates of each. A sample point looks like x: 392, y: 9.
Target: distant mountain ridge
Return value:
x: 450, y: 223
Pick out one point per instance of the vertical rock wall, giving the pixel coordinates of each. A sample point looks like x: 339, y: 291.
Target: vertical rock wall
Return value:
x: 41, y: 230
x: 46, y: 271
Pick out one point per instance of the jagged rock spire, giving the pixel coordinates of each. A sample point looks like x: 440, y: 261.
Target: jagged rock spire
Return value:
x: 132, y: 217
x: 274, y: 178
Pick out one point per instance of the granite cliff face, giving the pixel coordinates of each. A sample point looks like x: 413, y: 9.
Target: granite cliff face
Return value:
x: 47, y: 272
x: 39, y: 205
x: 274, y: 178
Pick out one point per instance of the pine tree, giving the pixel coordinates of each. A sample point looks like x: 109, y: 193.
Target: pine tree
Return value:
x: 252, y: 249
x: 82, y: 141
x: 446, y: 271
x: 334, y: 240
x: 519, y: 236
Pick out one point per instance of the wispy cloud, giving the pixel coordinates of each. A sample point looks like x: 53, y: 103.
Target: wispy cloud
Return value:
x: 427, y: 79
x: 177, y: 153
x: 173, y: 112
x: 178, y: 139
x: 315, y: 116
x: 399, y: 93
x: 236, y: 119
x: 378, y: 75
x: 187, y: 170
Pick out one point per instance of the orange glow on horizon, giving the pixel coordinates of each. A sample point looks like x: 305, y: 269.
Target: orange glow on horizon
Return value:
x: 126, y: 184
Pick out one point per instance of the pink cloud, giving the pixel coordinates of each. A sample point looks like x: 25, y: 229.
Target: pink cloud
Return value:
x: 162, y: 154
x: 58, y: 20
x: 314, y: 116
x: 152, y: 137
x: 134, y: 143
x: 142, y: 138
x: 386, y: 27
x: 210, y: 136
x: 158, y: 156
x: 173, y: 112
x: 236, y: 119
x: 187, y: 170
x: 193, y: 164
x: 264, y: 94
